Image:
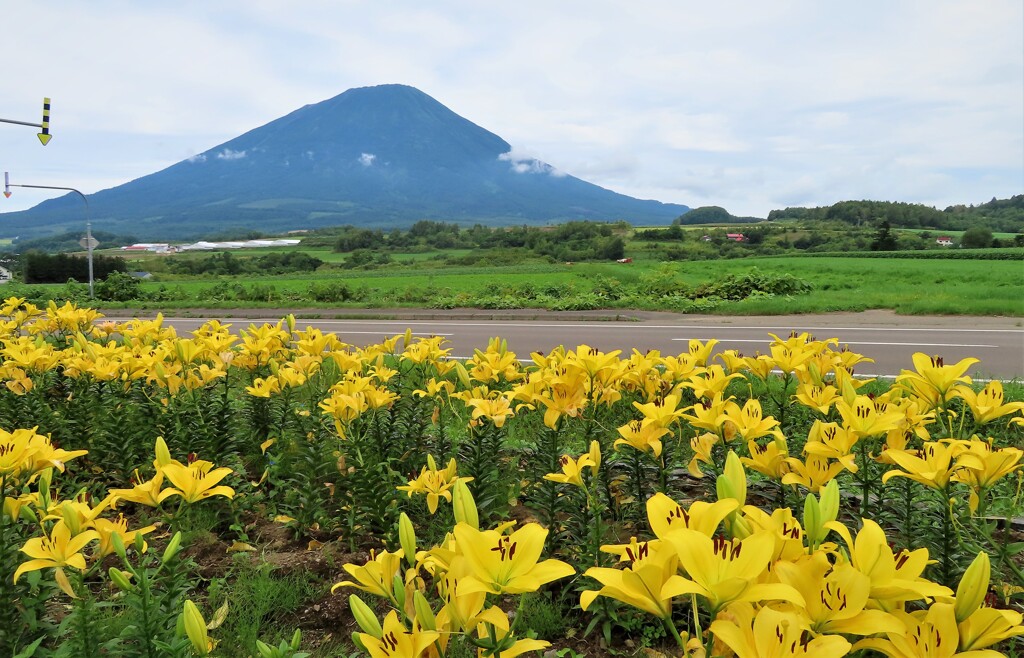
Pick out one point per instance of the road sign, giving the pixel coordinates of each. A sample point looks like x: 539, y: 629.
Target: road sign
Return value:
x: 89, y: 243
x: 45, y: 136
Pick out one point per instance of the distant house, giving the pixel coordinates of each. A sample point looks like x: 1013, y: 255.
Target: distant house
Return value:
x: 5, y: 275
x: 735, y: 237
x: 141, y: 275
x: 157, y: 247
x: 944, y: 241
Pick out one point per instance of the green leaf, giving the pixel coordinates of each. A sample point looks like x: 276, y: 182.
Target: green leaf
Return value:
x: 30, y: 650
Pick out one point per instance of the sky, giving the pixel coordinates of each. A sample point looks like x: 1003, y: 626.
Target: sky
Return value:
x: 744, y: 104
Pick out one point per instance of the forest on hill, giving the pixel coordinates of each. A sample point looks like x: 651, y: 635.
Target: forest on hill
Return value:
x: 999, y: 215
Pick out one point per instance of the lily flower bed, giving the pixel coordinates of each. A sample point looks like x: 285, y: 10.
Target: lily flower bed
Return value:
x: 274, y: 492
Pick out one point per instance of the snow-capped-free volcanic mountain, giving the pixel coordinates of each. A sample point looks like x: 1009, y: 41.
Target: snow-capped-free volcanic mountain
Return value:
x: 374, y: 156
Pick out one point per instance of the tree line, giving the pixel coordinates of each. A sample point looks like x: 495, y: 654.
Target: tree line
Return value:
x: 1006, y: 215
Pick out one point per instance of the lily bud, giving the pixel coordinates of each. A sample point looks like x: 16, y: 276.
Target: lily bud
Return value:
x: 829, y: 501
x: 119, y: 578
x: 71, y: 518
x: 407, y: 538
x: 364, y: 617
x: 407, y: 338
x: 972, y: 588
x: 812, y: 521
x: 163, y: 455
x: 463, y: 374
x: 398, y: 587
x: 118, y: 541
x: 733, y: 482
x: 172, y: 548
x: 195, y: 628
x: 464, y: 506
x: 424, y: 614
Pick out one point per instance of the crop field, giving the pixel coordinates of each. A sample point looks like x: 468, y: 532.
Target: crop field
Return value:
x: 278, y: 493
x: 960, y: 287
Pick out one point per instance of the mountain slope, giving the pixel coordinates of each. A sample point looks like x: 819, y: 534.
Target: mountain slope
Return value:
x: 376, y: 156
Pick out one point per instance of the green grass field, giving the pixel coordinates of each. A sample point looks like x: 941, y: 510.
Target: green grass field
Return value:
x: 907, y: 286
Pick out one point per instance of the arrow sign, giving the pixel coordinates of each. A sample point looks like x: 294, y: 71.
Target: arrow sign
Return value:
x: 45, y: 136
x: 7, y: 185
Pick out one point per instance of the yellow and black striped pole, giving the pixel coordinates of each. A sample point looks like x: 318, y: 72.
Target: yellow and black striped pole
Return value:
x: 44, y: 136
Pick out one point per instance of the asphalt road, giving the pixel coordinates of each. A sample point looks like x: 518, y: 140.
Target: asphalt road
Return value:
x: 889, y: 339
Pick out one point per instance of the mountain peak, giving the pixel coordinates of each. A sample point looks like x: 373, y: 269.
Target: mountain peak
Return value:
x: 386, y: 155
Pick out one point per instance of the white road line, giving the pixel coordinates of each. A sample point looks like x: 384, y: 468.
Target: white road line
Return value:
x: 846, y: 342
x: 384, y: 333
x: 620, y: 325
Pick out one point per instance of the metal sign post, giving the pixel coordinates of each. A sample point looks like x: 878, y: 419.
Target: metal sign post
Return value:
x: 43, y: 136
x: 88, y: 240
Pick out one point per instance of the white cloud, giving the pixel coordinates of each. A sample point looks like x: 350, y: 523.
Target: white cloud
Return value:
x: 366, y: 159
x: 198, y: 157
x: 228, y: 154
x: 747, y: 103
x: 524, y: 164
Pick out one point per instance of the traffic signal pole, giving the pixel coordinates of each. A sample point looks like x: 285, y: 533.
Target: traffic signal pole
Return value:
x: 43, y: 136
x: 88, y: 222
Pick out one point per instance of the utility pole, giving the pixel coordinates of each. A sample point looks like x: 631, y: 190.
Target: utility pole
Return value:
x: 88, y: 242
x: 43, y: 136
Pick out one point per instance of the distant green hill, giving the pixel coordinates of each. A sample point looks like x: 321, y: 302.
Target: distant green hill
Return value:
x: 383, y: 156
x: 1006, y: 215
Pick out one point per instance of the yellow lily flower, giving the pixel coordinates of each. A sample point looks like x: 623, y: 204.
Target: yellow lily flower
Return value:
x: 980, y: 626
x: 663, y: 411
x: 894, y: 578
x: 724, y: 571
x: 264, y: 387
x: 506, y: 564
x: 709, y: 415
x: 772, y: 634
x: 769, y: 459
x: 701, y: 352
x: 934, y: 382
x: 711, y: 382
x: 197, y: 481
x: 988, y: 405
x: 145, y: 493
x: 928, y: 633
x: 377, y: 576
x: 496, y: 410
x: 566, y: 396
x: 813, y: 473
x: 701, y: 446
x: 747, y: 422
x: 820, y: 398
x: 435, y: 483
x: 649, y: 583
x: 517, y: 647
x: 396, y: 641
x: 986, y: 468
x: 58, y: 549
x: 572, y: 469
x: 642, y: 435
x: 666, y: 516
x: 866, y: 418
x: 835, y: 598
x: 106, y: 529
x: 760, y: 365
x: 832, y: 441
x: 937, y: 464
